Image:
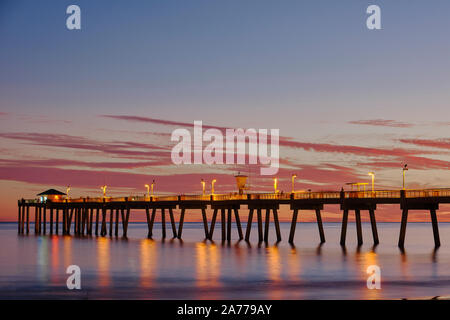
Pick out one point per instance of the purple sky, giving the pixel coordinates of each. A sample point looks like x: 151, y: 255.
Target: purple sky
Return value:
x: 98, y: 105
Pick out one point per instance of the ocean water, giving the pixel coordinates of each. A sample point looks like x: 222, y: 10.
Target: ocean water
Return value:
x: 138, y: 268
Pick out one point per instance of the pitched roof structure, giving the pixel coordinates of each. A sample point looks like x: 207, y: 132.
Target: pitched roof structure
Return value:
x: 51, y: 192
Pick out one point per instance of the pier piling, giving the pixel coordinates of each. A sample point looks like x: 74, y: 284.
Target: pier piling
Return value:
x: 249, y: 225
x: 82, y: 212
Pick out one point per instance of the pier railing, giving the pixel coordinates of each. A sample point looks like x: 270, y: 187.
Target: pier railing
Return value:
x: 377, y: 194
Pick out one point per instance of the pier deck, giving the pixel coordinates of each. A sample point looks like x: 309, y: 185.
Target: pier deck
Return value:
x: 87, y: 216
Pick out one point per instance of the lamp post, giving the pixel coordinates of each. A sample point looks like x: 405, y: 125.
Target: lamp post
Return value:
x: 372, y: 174
x: 153, y: 183
x: 275, y: 184
x: 212, y: 185
x: 203, y: 186
x: 293, y: 179
x: 104, y: 190
x: 405, y: 168
x: 67, y: 192
x: 148, y: 190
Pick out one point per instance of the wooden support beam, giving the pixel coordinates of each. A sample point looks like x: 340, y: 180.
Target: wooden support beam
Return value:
x: 152, y: 221
x: 180, y: 224
x: 222, y: 216
x: 51, y: 220
x: 45, y: 218
x: 57, y: 221
x: 172, y: 222
x: 22, y: 221
x: 122, y: 215
x: 249, y: 225
x: 103, y: 229
x: 111, y: 221
x: 238, y: 223
x: 69, y: 219
x: 147, y: 215
x: 64, y: 223
x: 205, y: 223
x: 163, y: 222
x: 28, y: 219
x: 373, y: 223
x: 40, y: 220
x: 76, y: 218
x: 116, y: 229
x: 35, y: 218
x: 320, y: 226
x: 213, y: 223
x: 36, y: 222
x: 97, y: 213
x: 91, y: 219
x: 434, y: 223
x: 127, y: 218
x: 344, y: 227
x: 84, y: 221
x: 277, y: 224
x: 358, y: 227
x: 401, y: 239
x: 293, y: 226
x: 260, y: 228
x: 229, y: 225
x: 19, y: 221
x: 79, y: 220
x: 266, y: 230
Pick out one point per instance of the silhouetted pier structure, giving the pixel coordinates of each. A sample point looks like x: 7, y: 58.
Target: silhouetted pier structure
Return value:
x: 85, y: 216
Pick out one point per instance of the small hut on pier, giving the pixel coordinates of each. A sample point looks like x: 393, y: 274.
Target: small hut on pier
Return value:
x: 51, y: 194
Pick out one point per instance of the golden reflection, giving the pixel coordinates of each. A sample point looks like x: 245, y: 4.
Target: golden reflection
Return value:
x: 54, y: 259
x: 148, y: 256
x: 404, y: 265
x: 67, y: 248
x: 42, y: 258
x: 208, y: 265
x: 370, y: 258
x: 103, y: 255
x: 294, y: 265
x: 274, y: 270
x: 273, y: 263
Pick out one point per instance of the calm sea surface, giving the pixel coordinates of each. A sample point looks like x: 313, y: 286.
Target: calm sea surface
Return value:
x: 137, y: 268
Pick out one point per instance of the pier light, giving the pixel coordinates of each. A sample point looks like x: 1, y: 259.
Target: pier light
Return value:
x: 293, y: 179
x: 203, y: 186
x: 67, y: 192
x: 212, y: 185
x: 275, y: 184
x: 372, y: 174
x: 153, y: 183
x: 148, y: 190
x: 405, y: 168
x: 104, y: 190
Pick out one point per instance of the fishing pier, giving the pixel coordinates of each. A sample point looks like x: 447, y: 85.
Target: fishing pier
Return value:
x: 110, y: 216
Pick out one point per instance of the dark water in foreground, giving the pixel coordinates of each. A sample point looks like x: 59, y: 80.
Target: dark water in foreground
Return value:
x: 138, y: 268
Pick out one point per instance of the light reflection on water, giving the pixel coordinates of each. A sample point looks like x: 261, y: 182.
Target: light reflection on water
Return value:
x: 34, y: 267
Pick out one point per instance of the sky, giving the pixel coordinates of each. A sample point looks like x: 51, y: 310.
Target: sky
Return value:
x: 98, y: 105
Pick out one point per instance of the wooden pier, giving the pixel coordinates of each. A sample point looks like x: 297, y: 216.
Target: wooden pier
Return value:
x: 103, y: 216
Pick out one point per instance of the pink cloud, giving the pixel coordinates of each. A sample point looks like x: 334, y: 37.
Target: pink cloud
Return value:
x: 437, y: 143
x: 383, y: 123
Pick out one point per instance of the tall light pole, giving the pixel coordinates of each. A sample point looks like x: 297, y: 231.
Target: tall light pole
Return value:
x: 203, y: 186
x: 148, y: 190
x: 372, y: 174
x: 104, y: 190
x: 153, y: 183
x: 405, y: 168
x: 293, y: 179
x: 275, y: 184
x: 212, y: 185
x: 67, y: 192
